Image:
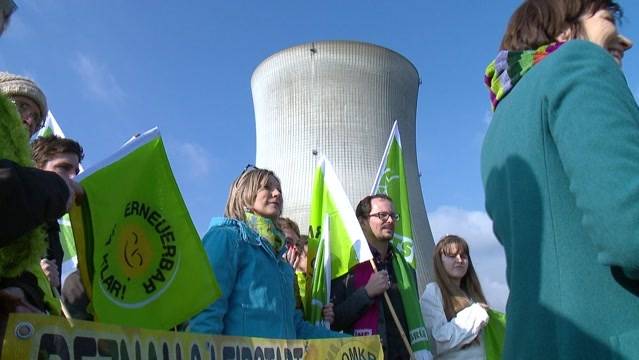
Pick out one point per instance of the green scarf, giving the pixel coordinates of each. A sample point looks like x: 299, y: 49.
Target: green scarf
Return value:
x: 26, y: 250
x: 265, y: 228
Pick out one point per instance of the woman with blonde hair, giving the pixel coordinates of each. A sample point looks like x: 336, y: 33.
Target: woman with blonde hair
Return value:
x: 245, y: 250
x: 454, y: 307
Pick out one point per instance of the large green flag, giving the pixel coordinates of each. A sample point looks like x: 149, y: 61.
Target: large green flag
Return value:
x: 391, y: 180
x: 332, y: 220
x: 139, y: 254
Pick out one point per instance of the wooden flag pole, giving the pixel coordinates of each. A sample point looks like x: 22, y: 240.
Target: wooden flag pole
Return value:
x: 395, y: 318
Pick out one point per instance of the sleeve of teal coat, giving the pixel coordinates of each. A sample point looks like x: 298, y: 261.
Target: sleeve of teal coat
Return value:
x: 594, y: 121
x: 221, y: 245
x: 306, y: 330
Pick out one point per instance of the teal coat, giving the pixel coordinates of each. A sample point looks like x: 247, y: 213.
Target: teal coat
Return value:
x: 258, y: 297
x: 560, y: 166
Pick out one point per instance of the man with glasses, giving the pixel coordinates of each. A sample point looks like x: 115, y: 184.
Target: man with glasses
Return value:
x: 358, y: 299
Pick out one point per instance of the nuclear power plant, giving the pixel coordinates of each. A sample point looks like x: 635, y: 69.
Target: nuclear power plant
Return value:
x: 340, y: 99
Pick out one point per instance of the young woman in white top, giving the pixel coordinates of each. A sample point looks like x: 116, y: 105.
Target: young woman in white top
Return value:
x: 454, y: 307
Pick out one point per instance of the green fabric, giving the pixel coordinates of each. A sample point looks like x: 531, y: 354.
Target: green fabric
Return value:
x: 560, y: 170
x: 391, y: 180
x: 331, y: 217
x: 407, y: 286
x: 266, y: 229
x: 141, y: 259
x: 300, y: 277
x: 494, y: 335
x: 14, y: 145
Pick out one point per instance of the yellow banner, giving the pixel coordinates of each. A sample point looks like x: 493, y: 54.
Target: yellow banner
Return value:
x: 31, y: 336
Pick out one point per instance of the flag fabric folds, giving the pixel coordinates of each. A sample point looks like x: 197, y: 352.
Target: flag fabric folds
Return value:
x: 331, y: 219
x: 140, y: 257
x: 391, y: 180
x: 494, y: 335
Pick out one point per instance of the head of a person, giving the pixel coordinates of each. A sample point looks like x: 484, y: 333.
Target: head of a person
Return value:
x: 455, y: 275
x: 255, y: 190
x: 7, y: 8
x: 290, y: 229
x: 377, y: 217
x: 28, y: 99
x: 541, y: 22
x: 60, y: 155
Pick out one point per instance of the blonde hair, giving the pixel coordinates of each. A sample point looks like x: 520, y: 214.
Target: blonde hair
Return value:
x: 243, y: 191
x: 456, y: 298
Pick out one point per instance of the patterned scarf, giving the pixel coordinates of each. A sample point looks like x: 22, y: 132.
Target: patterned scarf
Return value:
x: 510, y: 66
x: 266, y: 229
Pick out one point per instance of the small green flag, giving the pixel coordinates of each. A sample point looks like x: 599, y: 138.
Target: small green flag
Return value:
x: 139, y: 254
x: 332, y: 220
x: 391, y: 180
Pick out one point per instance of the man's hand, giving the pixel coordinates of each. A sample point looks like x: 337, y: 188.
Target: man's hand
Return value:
x: 50, y: 269
x: 328, y: 314
x: 377, y: 284
x: 76, y: 192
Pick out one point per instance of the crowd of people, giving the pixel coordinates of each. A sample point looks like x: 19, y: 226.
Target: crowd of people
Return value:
x: 559, y: 165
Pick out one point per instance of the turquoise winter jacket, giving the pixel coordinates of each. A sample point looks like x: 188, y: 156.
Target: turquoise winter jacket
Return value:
x: 258, y: 298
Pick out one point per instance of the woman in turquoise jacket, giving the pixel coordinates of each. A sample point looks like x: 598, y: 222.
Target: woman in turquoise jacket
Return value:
x: 560, y: 166
x: 245, y: 249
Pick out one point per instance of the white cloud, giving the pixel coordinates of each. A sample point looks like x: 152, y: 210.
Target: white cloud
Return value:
x: 195, y: 158
x: 487, y: 253
x: 100, y: 82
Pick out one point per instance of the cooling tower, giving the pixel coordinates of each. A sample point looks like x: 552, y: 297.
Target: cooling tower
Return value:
x: 338, y: 98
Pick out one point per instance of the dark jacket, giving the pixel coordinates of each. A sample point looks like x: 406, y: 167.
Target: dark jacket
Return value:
x: 350, y: 304
x: 29, y: 197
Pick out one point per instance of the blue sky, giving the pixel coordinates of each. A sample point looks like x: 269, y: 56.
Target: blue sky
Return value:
x: 111, y: 69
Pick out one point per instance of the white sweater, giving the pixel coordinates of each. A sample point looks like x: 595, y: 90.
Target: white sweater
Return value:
x: 448, y: 337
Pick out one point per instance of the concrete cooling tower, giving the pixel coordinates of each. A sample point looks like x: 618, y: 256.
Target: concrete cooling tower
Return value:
x: 338, y: 98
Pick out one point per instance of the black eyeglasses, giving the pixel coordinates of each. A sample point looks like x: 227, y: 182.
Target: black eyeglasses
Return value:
x: 383, y: 216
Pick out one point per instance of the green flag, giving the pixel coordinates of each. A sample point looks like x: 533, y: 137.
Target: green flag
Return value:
x: 391, y: 180
x: 140, y: 257
x: 321, y: 285
x: 332, y: 219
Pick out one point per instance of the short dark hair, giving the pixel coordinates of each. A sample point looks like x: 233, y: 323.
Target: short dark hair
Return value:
x: 364, y: 206
x: 540, y: 22
x: 45, y: 148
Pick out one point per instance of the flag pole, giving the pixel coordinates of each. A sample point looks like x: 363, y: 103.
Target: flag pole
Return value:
x: 395, y: 318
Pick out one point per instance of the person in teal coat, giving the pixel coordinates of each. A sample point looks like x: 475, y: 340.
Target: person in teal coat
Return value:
x: 245, y: 250
x: 560, y: 167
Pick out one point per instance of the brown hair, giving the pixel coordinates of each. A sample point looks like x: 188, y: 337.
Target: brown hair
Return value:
x: 286, y: 223
x: 540, y: 22
x: 45, y: 148
x: 456, y: 298
x: 243, y: 191
x: 364, y: 206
